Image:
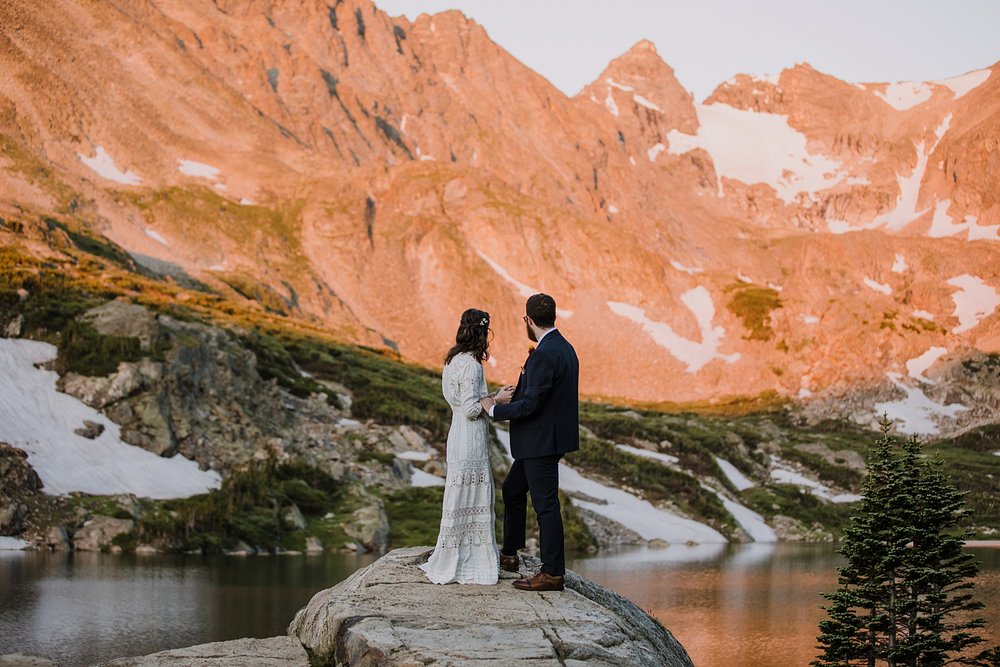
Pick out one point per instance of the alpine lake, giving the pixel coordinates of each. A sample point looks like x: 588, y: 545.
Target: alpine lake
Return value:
x: 749, y: 605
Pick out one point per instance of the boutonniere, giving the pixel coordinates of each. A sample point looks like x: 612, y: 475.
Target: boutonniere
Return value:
x: 531, y: 348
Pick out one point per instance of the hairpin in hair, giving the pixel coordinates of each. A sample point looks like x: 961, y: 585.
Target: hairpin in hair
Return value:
x: 484, y: 322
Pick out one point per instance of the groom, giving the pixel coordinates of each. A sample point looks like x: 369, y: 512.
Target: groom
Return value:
x: 544, y: 419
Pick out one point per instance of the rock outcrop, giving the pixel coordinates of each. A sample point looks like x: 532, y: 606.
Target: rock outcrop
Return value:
x: 99, y: 533
x: 18, y: 482
x: 389, y: 614
x: 270, y: 652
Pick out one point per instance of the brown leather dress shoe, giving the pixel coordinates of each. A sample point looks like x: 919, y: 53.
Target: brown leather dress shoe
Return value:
x: 540, y: 582
x: 510, y: 563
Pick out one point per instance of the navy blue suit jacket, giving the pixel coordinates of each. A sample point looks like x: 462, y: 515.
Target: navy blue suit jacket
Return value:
x: 544, y: 411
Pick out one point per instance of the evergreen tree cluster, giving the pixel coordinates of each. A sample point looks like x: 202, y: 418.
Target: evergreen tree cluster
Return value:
x: 904, y: 598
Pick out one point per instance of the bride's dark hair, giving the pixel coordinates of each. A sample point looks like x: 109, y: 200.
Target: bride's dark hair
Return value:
x: 473, y: 336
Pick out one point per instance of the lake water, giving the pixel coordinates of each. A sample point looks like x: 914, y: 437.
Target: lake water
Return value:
x: 730, y: 605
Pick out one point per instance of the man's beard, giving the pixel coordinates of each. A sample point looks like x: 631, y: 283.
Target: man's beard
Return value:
x: 531, y: 333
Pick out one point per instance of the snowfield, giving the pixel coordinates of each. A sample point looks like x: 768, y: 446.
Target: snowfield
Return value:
x: 12, y: 544
x: 915, y: 413
x: 915, y: 367
x: 783, y: 473
x: 197, y: 169
x: 104, y: 166
x: 693, y: 353
x: 878, y: 287
x: 645, y: 453
x: 905, y: 94
x: 960, y: 85
x: 905, y: 210
x: 735, y: 477
x: 637, y: 515
x: 421, y: 478
x: 751, y: 522
x: 40, y: 420
x: 974, y: 301
x: 755, y: 147
x: 943, y: 225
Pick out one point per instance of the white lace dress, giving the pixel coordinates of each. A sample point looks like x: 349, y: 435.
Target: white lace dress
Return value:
x: 466, y: 550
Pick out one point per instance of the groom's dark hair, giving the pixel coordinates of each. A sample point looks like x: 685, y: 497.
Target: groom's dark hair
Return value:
x: 541, y: 308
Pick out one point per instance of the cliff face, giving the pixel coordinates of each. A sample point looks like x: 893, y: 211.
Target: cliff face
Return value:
x: 796, y: 234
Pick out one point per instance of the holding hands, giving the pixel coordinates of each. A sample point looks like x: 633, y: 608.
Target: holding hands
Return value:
x: 502, y: 396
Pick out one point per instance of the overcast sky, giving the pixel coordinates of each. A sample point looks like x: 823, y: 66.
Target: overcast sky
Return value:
x: 707, y: 41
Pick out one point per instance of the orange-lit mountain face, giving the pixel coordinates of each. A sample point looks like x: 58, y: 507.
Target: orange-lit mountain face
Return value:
x: 795, y: 233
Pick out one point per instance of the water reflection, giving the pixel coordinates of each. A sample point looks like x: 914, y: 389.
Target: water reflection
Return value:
x: 748, y: 605
x: 84, y: 607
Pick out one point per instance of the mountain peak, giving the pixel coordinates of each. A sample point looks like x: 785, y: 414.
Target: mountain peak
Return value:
x: 643, y: 45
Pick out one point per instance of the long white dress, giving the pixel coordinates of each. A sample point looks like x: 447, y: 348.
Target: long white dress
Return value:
x: 466, y: 550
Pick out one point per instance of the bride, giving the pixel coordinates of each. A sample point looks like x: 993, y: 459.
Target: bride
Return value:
x: 466, y: 550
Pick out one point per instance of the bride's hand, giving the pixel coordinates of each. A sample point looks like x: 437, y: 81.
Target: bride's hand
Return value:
x: 504, y: 394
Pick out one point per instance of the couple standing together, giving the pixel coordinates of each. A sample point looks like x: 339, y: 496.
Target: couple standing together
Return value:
x: 543, y: 411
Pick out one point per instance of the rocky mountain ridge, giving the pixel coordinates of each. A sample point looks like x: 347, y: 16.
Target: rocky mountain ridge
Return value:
x: 375, y: 176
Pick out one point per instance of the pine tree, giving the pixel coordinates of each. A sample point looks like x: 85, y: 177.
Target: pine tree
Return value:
x: 904, y: 595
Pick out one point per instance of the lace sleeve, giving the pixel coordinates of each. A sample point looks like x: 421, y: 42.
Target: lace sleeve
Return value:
x: 468, y: 378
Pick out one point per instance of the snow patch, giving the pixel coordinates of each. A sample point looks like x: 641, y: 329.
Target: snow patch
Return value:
x: 609, y: 102
x: 691, y: 271
x: 974, y: 301
x: 104, y: 166
x: 878, y: 287
x: 783, y: 473
x: 654, y: 151
x: 620, y: 86
x: 414, y: 456
x: 757, y: 147
x: 735, y: 477
x: 156, y: 237
x: 905, y: 94
x: 612, y: 208
x: 247, y: 202
x: 744, y: 278
x: 643, y: 102
x: 421, y: 478
x: 751, y: 522
x: 915, y: 367
x: 899, y: 264
x: 40, y: 420
x: 809, y: 319
x: 905, y: 210
x: 12, y: 544
x: 637, y: 515
x: 960, y: 85
x: 942, y: 225
x: 645, y: 453
x: 523, y: 290
x: 197, y: 169
x: 923, y: 314
x: 694, y: 354
x: 915, y: 413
